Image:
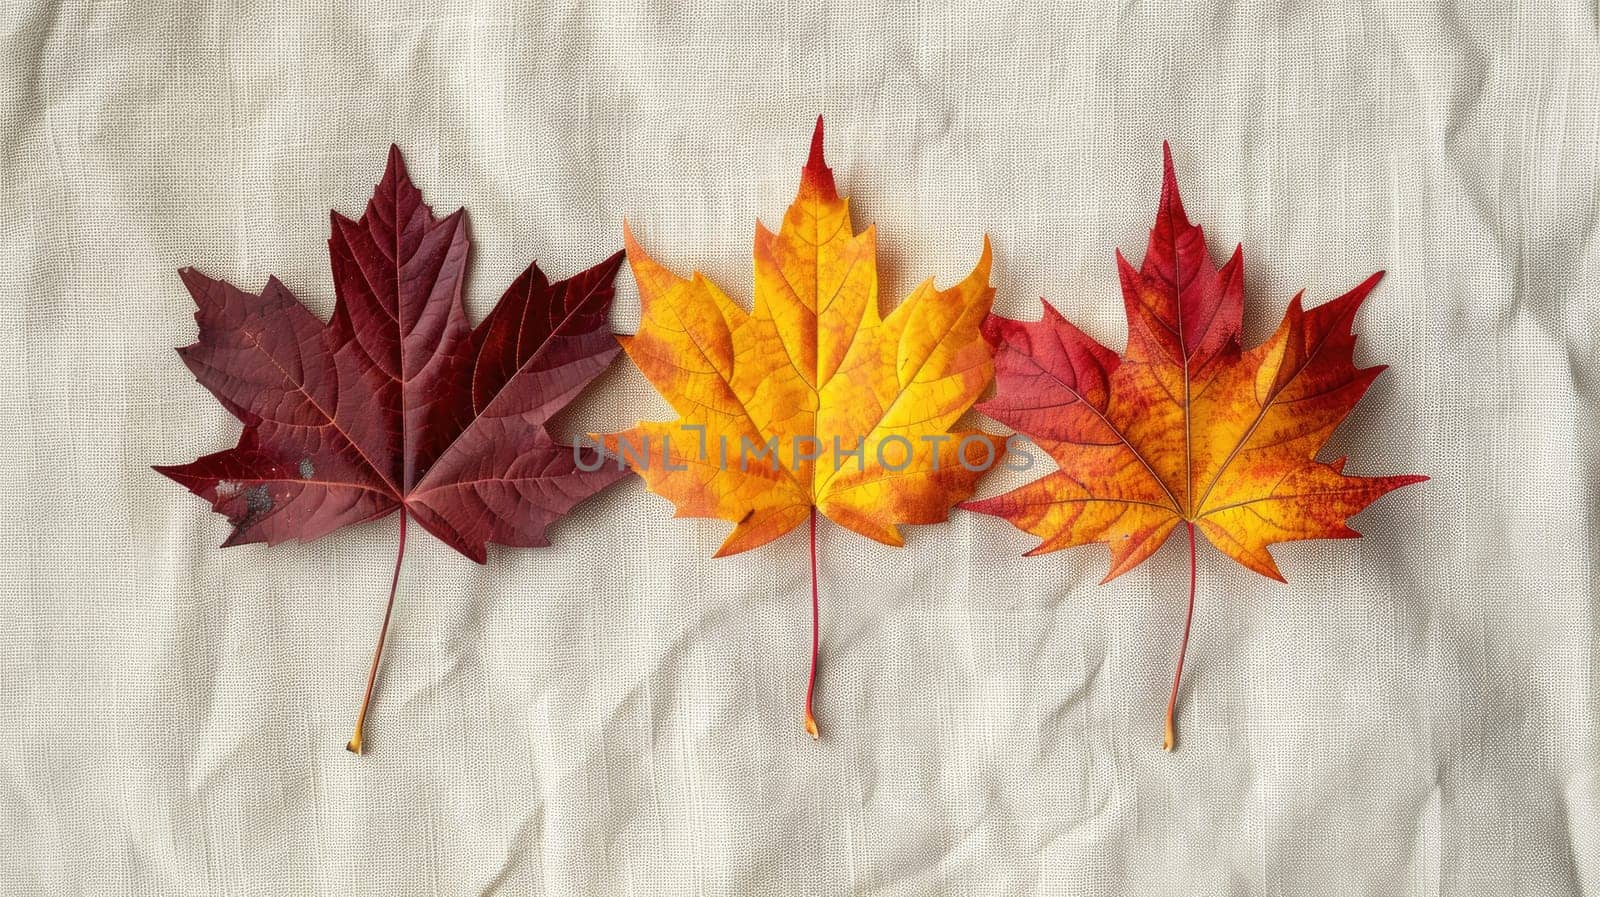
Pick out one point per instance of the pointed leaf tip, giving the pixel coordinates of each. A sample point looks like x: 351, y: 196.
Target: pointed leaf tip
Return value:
x: 816, y: 160
x: 630, y: 244
x: 1171, y: 199
x: 985, y: 259
x: 816, y: 175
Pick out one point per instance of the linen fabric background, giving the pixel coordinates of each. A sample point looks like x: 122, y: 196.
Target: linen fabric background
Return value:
x: 1413, y: 713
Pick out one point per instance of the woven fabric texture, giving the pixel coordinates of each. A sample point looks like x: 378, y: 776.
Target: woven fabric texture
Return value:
x: 1414, y: 713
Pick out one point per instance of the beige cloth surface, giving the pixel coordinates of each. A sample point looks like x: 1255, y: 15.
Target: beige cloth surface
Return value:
x: 1413, y: 714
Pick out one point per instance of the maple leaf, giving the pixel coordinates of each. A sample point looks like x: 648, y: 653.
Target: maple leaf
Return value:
x: 811, y: 401
x: 397, y: 403
x: 1186, y: 427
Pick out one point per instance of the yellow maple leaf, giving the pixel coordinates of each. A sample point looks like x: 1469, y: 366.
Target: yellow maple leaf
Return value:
x: 812, y: 401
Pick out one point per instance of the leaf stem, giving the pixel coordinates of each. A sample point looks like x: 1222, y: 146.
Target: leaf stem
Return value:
x: 1171, y: 739
x: 354, y: 746
x: 811, y: 683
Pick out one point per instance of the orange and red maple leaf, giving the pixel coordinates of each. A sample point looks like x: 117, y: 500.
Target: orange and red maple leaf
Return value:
x: 1187, y: 427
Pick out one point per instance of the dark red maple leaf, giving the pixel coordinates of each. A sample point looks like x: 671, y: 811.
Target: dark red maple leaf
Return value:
x: 398, y: 403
